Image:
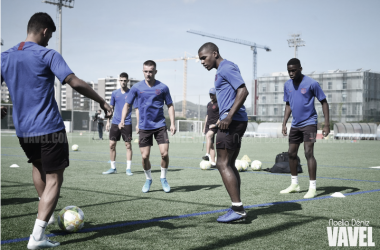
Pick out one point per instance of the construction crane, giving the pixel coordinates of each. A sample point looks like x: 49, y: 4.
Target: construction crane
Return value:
x: 185, y: 59
x: 254, y: 47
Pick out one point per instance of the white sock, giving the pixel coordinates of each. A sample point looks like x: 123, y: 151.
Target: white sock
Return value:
x: 213, y: 163
x: 313, y: 184
x: 294, y: 179
x: 237, y: 204
x: 148, y: 174
x: 113, y: 165
x: 39, y: 229
x: 39, y: 198
x: 163, y: 172
x: 129, y: 164
x: 209, y: 156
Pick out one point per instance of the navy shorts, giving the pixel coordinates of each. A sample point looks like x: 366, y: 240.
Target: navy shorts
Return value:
x: 231, y: 138
x: 146, y: 136
x: 304, y: 134
x: 116, y: 133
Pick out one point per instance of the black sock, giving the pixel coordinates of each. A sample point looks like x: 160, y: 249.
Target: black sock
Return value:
x: 238, y: 208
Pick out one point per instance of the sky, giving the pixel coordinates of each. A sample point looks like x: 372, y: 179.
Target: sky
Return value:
x: 105, y: 38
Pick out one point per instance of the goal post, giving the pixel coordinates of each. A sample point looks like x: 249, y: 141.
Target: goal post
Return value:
x: 190, y: 126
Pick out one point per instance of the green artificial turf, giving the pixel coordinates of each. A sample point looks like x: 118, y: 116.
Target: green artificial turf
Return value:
x: 114, y: 200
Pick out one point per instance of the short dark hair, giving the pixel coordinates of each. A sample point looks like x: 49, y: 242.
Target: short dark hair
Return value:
x: 294, y: 61
x: 124, y: 75
x: 40, y: 21
x: 150, y: 63
x: 211, y: 47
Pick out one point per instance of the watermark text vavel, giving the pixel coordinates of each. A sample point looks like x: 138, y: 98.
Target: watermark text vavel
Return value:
x: 350, y: 233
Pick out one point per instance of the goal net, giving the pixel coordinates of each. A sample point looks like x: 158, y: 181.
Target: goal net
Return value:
x: 190, y: 126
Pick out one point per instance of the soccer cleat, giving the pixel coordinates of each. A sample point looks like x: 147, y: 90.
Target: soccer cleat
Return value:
x: 293, y: 188
x: 44, y: 243
x: 310, y: 194
x: 146, y: 186
x: 110, y: 171
x: 232, y: 216
x: 206, y: 158
x: 165, y: 185
x: 129, y: 172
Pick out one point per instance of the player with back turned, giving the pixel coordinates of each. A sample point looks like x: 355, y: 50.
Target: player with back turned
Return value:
x: 299, y: 94
x: 152, y: 95
x: 29, y: 69
x: 231, y: 93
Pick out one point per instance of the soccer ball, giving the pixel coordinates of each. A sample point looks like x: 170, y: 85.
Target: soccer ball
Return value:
x: 256, y: 165
x: 244, y: 165
x: 75, y: 147
x: 238, y: 165
x: 205, y: 165
x: 71, y: 219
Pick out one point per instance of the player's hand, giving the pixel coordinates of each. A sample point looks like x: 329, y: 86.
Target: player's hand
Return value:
x: 204, y: 131
x: 225, y: 123
x: 326, y: 131
x: 284, y: 130
x: 137, y: 129
x: 121, y: 125
x: 108, y: 126
x: 4, y: 111
x: 173, y: 129
x: 212, y: 126
x: 107, y: 110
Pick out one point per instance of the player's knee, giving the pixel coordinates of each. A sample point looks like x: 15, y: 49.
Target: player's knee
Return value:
x: 128, y: 146
x: 144, y: 156
x: 309, y: 154
x: 112, y: 146
x: 292, y: 155
x: 164, y: 155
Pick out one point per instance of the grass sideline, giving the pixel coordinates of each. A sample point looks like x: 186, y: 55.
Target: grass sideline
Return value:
x: 280, y: 222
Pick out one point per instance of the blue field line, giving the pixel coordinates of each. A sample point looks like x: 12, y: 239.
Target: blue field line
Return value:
x: 93, y: 229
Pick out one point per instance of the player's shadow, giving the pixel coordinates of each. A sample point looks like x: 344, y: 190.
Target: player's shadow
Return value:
x: 17, y: 201
x: 120, y: 227
x: 331, y: 190
x: 193, y: 188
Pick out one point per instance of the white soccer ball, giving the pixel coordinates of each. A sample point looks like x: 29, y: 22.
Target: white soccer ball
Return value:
x: 244, y: 165
x: 71, y: 219
x: 256, y: 165
x: 205, y: 165
x: 75, y: 147
x: 238, y: 165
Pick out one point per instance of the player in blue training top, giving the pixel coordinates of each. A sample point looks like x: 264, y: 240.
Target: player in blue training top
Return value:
x: 231, y: 93
x: 211, y: 127
x: 29, y: 70
x: 299, y: 94
x: 152, y: 95
x: 117, y: 102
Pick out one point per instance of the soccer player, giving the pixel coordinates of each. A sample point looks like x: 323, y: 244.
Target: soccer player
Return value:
x: 231, y: 93
x: 117, y: 103
x: 299, y: 94
x: 29, y: 69
x: 151, y: 94
x: 99, y: 117
x: 210, y: 128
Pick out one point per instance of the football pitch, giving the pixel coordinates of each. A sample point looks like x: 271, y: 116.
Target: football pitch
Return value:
x: 119, y: 216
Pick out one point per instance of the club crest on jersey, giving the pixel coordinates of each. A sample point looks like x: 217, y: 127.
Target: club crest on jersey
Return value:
x: 158, y: 91
x: 213, y: 106
x: 303, y: 90
x: 216, y: 77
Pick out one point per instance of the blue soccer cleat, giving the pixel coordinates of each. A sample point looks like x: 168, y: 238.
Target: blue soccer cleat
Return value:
x: 232, y: 216
x: 146, y: 186
x: 129, y: 172
x: 110, y: 171
x: 165, y: 185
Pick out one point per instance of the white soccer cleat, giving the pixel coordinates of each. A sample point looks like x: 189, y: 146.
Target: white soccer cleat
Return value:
x: 44, y: 243
x: 293, y: 188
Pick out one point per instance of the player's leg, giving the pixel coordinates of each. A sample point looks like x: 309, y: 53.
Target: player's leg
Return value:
x: 145, y: 153
x: 312, y: 167
x: 126, y: 133
x: 212, y: 152
x: 209, y: 142
x: 114, y: 137
x: 162, y: 138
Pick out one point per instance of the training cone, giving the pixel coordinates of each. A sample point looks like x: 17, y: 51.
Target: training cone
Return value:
x: 14, y: 166
x: 246, y: 158
x: 338, y: 195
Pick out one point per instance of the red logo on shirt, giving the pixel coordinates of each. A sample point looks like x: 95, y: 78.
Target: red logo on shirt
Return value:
x: 216, y: 77
x: 303, y: 90
x: 158, y: 91
x: 213, y: 106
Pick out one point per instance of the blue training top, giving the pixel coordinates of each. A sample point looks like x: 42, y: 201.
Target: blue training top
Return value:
x: 118, y: 101
x: 150, y: 103
x: 227, y: 80
x: 29, y: 71
x: 301, y: 100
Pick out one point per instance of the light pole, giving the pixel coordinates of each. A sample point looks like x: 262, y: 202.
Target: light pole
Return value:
x: 60, y: 4
x: 296, y: 41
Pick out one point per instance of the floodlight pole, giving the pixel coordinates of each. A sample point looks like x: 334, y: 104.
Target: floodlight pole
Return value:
x: 296, y: 42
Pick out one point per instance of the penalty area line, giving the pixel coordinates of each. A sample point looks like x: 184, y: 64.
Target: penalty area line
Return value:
x: 92, y: 229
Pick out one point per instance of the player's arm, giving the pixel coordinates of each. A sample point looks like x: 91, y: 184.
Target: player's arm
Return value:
x: 3, y: 111
x: 108, y: 119
x: 326, y: 113
x: 172, y: 118
x: 214, y: 125
x: 287, y: 113
x: 137, y: 120
x: 124, y: 114
x: 84, y: 89
x: 241, y: 95
x: 204, y: 127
